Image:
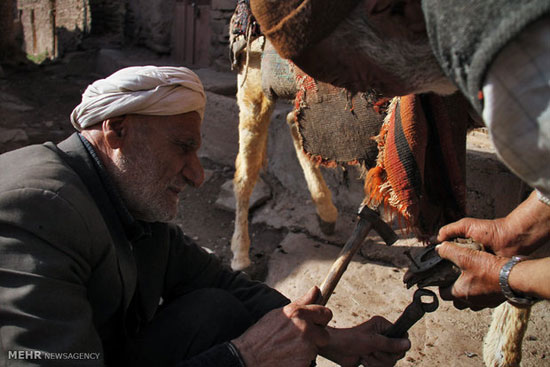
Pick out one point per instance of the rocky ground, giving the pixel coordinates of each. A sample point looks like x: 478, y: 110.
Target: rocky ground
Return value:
x: 288, y: 250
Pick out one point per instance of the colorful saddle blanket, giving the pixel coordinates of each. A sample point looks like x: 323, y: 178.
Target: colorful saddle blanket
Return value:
x: 420, y: 170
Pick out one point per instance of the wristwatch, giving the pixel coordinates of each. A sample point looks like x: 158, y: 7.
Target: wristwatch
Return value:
x: 505, y: 287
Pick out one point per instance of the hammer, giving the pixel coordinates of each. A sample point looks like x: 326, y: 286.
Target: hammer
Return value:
x: 368, y: 220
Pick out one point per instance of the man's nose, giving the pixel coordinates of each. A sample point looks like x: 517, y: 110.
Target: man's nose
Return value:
x: 193, y: 171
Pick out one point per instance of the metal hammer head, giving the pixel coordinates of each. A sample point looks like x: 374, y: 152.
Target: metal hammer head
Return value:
x: 381, y: 227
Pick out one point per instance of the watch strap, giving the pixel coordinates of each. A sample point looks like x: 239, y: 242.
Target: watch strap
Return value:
x: 505, y: 286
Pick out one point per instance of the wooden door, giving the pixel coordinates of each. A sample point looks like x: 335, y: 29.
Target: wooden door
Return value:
x: 191, y: 33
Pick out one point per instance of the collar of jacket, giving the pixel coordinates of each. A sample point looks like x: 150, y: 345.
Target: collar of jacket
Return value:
x: 73, y: 151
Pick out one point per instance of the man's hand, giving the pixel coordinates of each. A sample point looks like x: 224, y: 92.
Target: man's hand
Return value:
x: 478, y: 286
x: 289, y: 336
x: 365, y: 344
x: 520, y: 232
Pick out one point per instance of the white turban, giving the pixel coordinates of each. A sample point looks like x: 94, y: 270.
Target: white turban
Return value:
x: 143, y: 90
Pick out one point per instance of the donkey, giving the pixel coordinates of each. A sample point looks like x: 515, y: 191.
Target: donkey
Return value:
x: 256, y: 98
x: 263, y: 78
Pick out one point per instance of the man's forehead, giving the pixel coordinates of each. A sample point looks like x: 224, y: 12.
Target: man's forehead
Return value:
x: 181, y: 127
x: 190, y: 121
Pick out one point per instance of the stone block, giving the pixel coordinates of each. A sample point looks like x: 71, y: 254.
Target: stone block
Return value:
x: 220, y: 133
x: 226, y: 199
x: 38, y: 28
x: 72, y: 22
x: 221, y: 64
x: 108, y: 16
x: 224, y: 4
x: 223, y: 39
x: 217, y: 15
x: 12, y: 103
x: 12, y: 135
x: 7, y: 29
x: 224, y: 83
x: 493, y: 191
x: 51, y: 28
x: 219, y: 27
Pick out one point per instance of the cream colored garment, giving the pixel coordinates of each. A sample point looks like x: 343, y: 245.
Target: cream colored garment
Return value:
x: 516, y: 96
x: 142, y: 90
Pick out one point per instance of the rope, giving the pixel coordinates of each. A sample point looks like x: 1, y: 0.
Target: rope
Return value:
x: 248, y: 42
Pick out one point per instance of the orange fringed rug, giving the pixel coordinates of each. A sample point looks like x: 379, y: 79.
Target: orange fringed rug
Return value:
x: 420, y: 169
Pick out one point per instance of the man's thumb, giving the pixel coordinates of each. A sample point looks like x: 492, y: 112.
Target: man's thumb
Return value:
x: 446, y: 250
x: 310, y: 297
x: 460, y: 256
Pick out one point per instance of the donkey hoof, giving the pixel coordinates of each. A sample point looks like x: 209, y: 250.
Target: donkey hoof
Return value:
x: 240, y: 263
x: 326, y: 227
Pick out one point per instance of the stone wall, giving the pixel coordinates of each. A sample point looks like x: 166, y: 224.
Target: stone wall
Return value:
x: 72, y: 21
x: 219, y: 22
x: 7, y: 29
x: 153, y: 23
x: 52, y: 27
x: 108, y: 16
x: 200, y: 33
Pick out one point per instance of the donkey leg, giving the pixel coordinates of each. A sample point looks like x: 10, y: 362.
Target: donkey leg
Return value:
x: 254, y: 117
x: 320, y: 193
x: 502, y: 344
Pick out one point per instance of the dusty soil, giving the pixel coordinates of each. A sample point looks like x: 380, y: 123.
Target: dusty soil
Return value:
x: 213, y: 228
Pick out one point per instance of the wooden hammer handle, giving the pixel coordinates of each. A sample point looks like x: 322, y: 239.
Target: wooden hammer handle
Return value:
x: 341, y: 264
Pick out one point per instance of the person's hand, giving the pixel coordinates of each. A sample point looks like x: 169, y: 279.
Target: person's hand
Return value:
x: 520, y: 232
x: 365, y: 344
x: 289, y: 336
x: 478, y: 286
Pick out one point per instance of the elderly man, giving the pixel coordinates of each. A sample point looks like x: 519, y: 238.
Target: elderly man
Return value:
x: 497, y: 54
x: 91, y: 273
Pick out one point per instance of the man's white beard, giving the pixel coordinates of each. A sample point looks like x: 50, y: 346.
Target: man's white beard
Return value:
x: 138, y: 180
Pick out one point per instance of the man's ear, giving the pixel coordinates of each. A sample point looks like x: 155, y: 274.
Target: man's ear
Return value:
x: 115, y: 130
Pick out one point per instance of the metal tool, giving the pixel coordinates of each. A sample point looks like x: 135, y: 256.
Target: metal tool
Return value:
x: 427, y: 268
x: 413, y: 313
x: 368, y: 220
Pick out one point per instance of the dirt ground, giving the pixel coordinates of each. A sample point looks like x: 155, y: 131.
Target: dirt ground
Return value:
x: 35, y: 103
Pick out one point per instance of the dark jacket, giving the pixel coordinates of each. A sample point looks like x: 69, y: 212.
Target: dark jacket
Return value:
x: 467, y: 35
x: 77, y: 273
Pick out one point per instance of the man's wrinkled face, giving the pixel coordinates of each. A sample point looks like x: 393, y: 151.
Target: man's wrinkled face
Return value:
x: 158, y: 160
